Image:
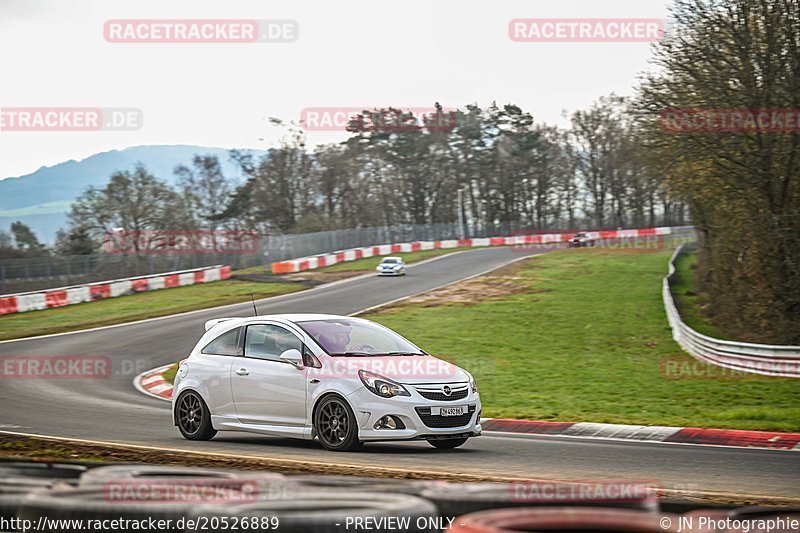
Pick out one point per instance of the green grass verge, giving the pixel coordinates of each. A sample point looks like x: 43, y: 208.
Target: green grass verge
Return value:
x: 136, y: 307
x: 688, y: 301
x: 585, y: 338
x: 170, y: 301
x: 169, y: 374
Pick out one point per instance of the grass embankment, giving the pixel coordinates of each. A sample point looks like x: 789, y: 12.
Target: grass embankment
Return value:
x: 581, y: 335
x: 689, y: 302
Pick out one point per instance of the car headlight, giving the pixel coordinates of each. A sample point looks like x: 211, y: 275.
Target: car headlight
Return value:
x: 383, y: 387
x: 396, y: 267
x: 472, y: 385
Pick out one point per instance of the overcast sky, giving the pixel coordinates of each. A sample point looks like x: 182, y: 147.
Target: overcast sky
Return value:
x: 350, y: 53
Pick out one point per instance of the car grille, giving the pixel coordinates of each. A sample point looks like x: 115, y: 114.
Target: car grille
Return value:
x: 430, y: 391
x: 437, y: 421
x: 441, y: 397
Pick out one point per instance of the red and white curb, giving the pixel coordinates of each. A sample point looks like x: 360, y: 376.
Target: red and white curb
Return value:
x: 153, y: 384
x: 676, y: 435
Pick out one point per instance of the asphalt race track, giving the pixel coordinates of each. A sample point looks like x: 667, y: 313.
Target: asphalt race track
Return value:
x: 112, y: 410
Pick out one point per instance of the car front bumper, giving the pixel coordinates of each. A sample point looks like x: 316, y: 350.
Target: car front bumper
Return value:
x: 413, y: 411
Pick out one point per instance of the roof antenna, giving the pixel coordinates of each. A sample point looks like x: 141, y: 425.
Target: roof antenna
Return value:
x: 253, y: 299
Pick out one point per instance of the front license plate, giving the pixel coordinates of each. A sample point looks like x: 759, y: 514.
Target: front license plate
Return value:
x: 449, y: 411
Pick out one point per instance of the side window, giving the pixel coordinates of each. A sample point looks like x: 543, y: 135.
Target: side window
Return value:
x: 225, y: 344
x: 269, y: 342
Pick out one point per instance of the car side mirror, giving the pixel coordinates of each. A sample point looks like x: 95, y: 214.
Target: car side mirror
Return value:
x: 293, y: 357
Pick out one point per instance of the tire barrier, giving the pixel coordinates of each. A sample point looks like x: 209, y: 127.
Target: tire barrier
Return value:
x: 95, y: 502
x: 584, y: 519
x: 14, y: 489
x: 764, y: 359
x: 363, y: 484
x: 17, y: 479
x: 62, y: 296
x: 104, y: 474
x: 211, y: 499
x: 37, y: 470
x: 455, y: 499
x: 324, y: 511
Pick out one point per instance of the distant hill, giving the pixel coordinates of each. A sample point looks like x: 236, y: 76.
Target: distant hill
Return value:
x: 42, y: 199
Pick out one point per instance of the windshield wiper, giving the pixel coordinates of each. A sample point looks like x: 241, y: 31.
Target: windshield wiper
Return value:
x: 352, y: 354
x: 398, y: 353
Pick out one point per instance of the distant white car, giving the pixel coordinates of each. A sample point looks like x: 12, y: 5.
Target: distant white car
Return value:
x: 342, y: 380
x: 391, y: 266
x: 580, y: 240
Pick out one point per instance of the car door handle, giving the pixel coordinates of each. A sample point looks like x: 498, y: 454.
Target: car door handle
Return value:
x: 242, y: 372
x: 313, y: 380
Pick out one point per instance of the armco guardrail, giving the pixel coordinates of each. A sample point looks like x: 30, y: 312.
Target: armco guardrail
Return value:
x: 318, y: 261
x: 765, y: 359
x: 50, y: 298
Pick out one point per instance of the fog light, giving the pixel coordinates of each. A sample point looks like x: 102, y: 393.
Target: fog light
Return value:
x: 389, y: 422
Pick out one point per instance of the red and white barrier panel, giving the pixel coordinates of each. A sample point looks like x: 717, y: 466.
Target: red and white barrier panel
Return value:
x: 318, y: 261
x: 50, y: 298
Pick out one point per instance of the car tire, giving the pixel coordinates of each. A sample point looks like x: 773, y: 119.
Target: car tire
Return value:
x: 104, y: 474
x: 447, y: 444
x: 458, y: 499
x: 97, y: 502
x: 193, y: 417
x: 18, y: 478
x: 335, y: 425
x: 566, y: 519
x: 360, y: 484
x: 325, y: 511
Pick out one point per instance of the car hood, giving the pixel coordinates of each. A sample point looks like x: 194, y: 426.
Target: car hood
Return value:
x: 403, y: 369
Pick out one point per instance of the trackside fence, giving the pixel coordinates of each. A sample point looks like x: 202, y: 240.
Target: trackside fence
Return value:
x: 765, y: 359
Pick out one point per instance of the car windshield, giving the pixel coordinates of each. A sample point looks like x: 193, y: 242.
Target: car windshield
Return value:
x: 389, y: 261
x: 348, y: 337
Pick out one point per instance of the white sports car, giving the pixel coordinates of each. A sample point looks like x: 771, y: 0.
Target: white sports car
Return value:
x: 391, y: 266
x: 342, y: 380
